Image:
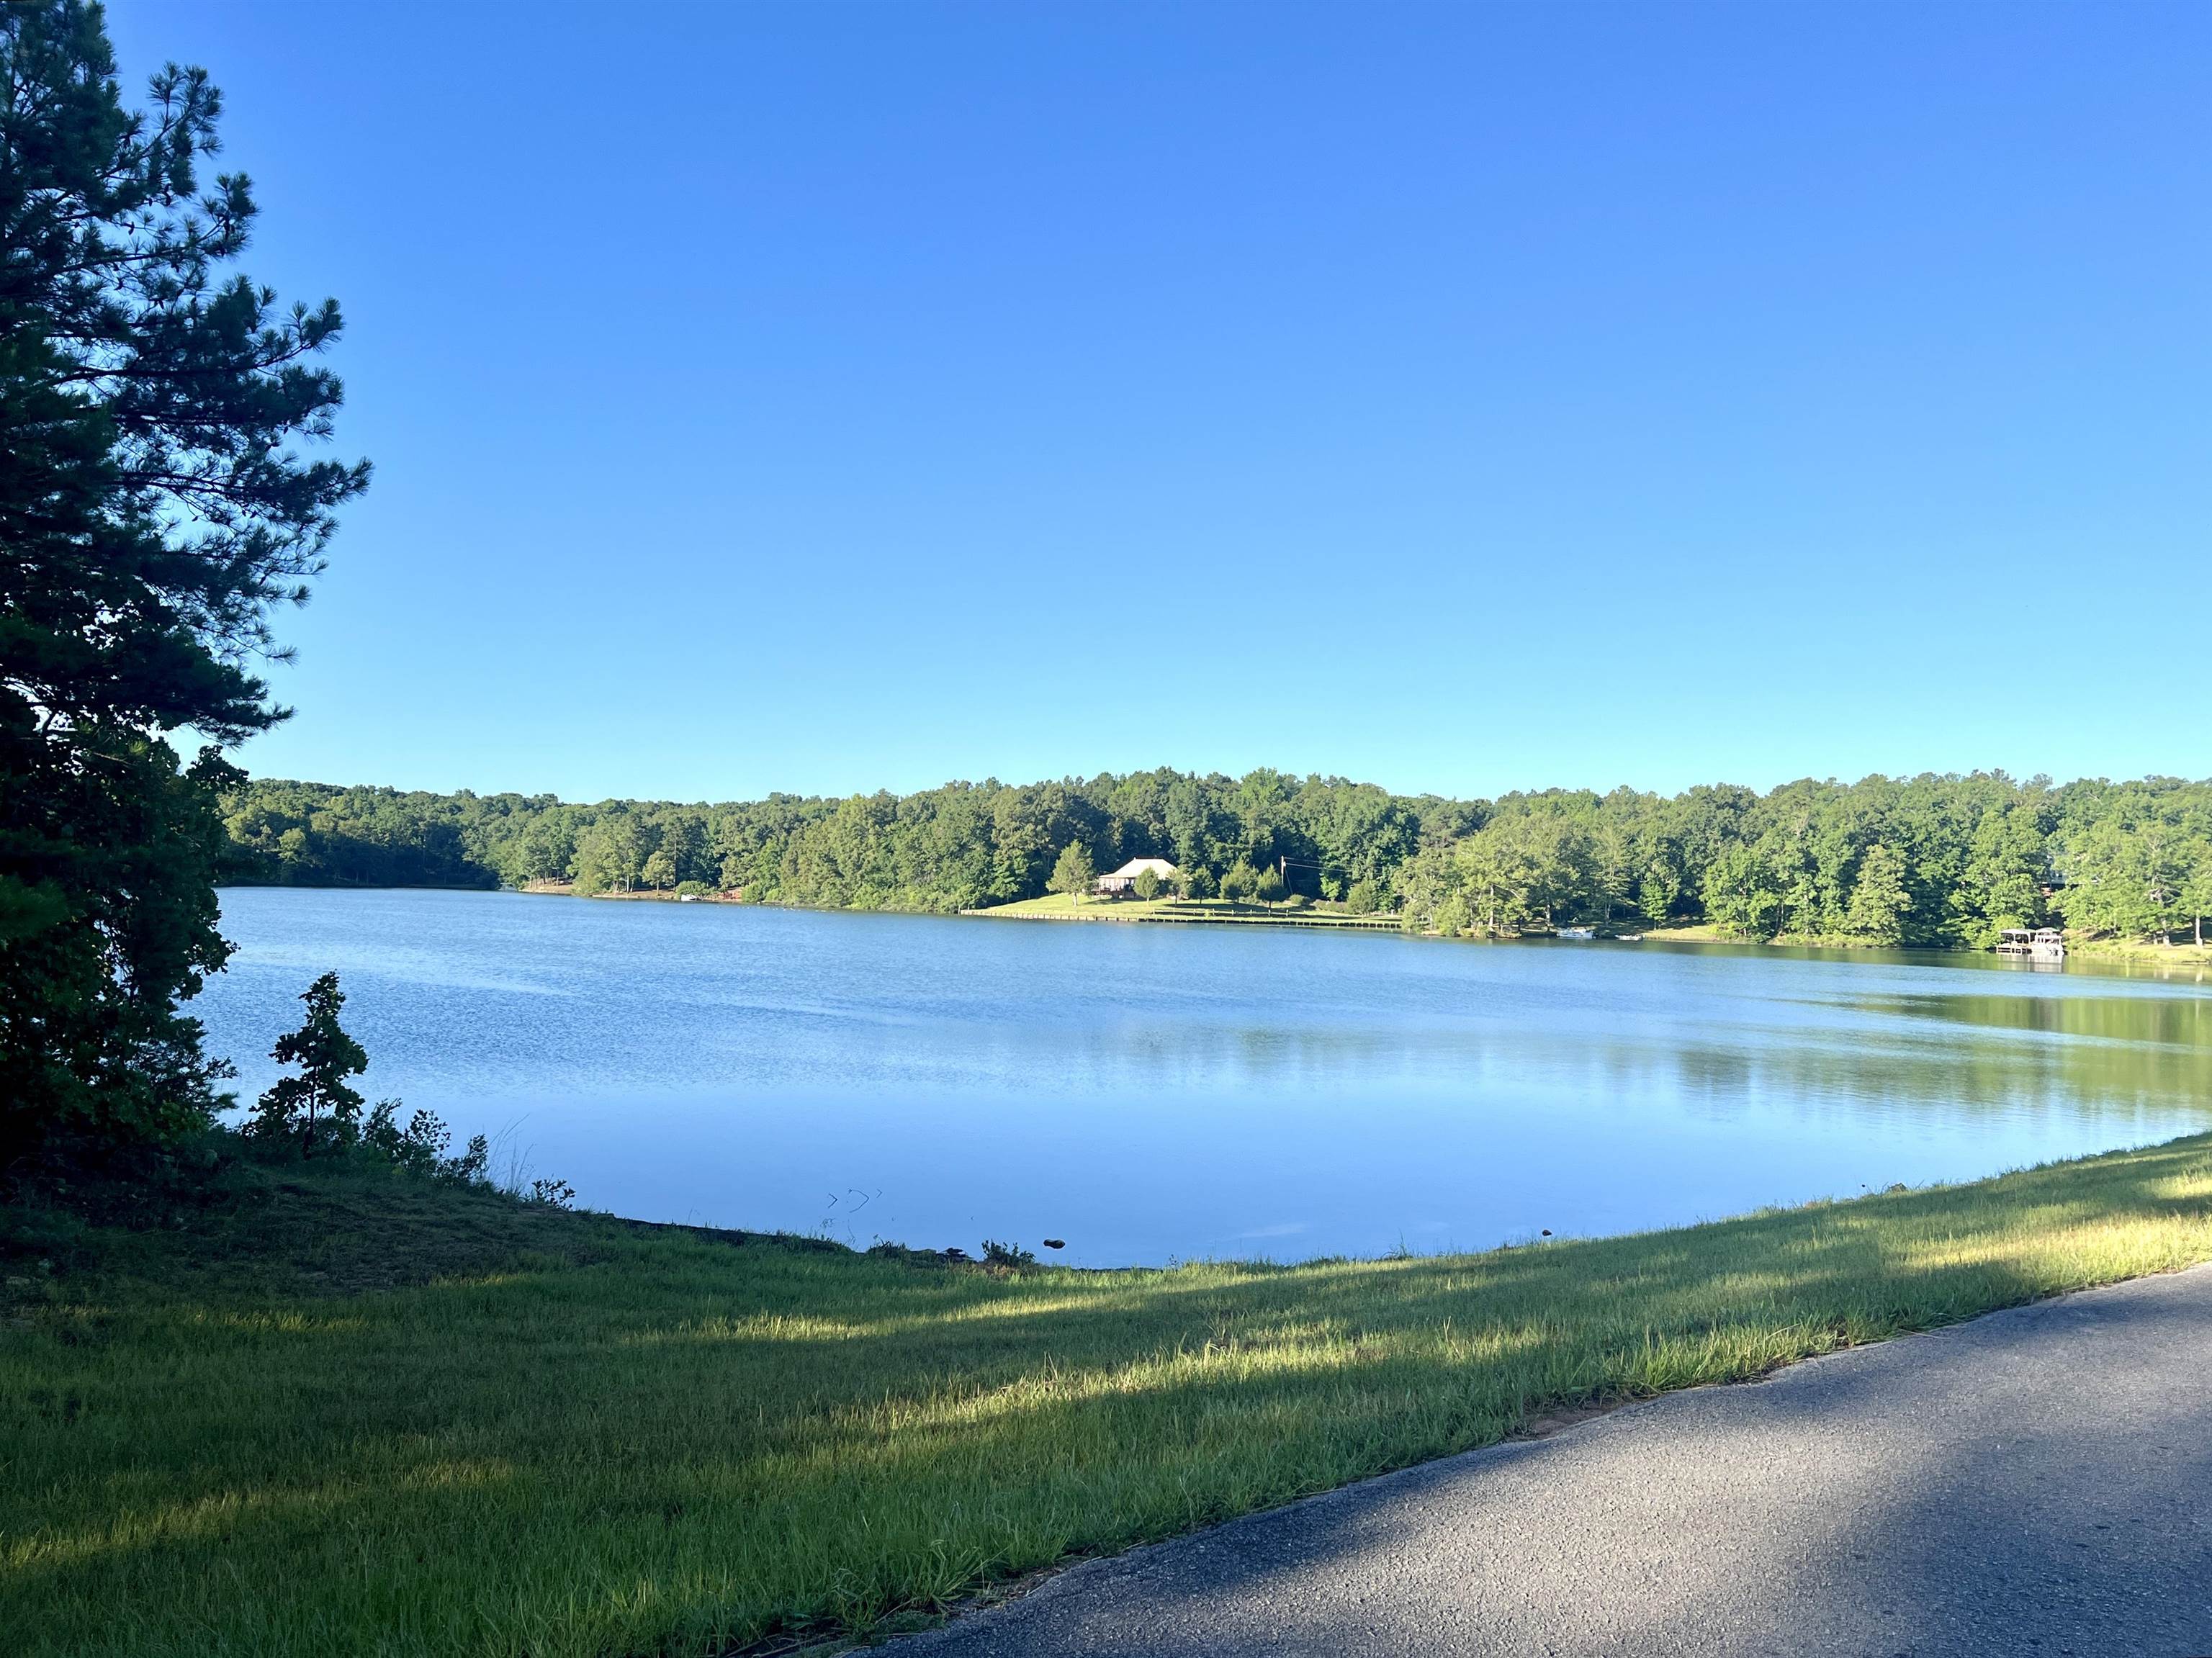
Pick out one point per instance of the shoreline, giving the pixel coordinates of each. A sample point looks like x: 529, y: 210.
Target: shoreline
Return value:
x: 1143, y: 912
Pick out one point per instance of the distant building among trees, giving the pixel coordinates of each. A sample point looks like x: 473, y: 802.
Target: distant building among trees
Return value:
x: 1124, y: 879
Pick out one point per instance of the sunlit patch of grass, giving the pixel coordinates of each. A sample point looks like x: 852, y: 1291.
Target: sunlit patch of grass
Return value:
x: 386, y: 1418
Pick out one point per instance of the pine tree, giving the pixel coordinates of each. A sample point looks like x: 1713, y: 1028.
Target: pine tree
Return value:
x: 318, y: 1105
x: 153, y: 511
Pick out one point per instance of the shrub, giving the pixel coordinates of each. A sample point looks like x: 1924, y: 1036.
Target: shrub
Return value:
x: 996, y: 1253
x: 469, y: 1168
x: 1363, y: 899
x: 420, y: 1148
x: 1197, y: 881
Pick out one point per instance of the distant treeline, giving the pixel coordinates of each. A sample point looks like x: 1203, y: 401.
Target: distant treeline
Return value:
x: 1933, y: 860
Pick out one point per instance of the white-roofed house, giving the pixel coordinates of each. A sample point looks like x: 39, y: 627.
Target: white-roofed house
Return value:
x: 1124, y: 879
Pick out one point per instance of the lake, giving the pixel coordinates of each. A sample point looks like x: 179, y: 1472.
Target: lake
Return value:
x: 1157, y: 1093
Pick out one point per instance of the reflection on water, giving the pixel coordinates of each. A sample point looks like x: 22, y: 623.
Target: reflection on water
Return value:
x: 2186, y: 1021
x: 1149, y: 1093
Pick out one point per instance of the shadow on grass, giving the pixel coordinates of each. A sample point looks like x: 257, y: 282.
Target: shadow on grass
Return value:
x: 699, y: 1442
x: 2034, y: 1486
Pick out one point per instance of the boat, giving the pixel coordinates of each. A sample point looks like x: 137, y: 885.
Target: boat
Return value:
x: 1628, y: 938
x: 2042, y: 943
x: 1577, y: 932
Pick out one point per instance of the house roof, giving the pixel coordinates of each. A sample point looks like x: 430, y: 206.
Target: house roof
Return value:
x: 1137, y: 866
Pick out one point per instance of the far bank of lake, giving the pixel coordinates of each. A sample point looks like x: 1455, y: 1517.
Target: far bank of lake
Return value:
x: 2163, y: 955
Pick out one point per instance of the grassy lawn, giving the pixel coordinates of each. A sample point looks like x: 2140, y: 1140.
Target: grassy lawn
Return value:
x: 341, y: 1414
x: 1057, y: 907
x: 2182, y: 954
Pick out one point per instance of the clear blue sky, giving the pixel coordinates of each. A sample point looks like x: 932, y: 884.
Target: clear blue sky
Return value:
x: 823, y: 398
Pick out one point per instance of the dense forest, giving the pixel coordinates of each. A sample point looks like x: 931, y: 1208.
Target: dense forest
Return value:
x: 1928, y: 860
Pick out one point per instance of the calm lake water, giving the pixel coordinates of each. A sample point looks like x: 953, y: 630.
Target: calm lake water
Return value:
x: 1157, y: 1093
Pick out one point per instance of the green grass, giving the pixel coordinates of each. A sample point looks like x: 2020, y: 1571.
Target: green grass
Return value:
x: 345, y: 1415
x: 1057, y: 907
x: 2182, y: 953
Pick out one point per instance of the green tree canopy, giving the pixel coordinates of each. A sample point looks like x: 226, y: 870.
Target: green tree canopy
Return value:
x: 154, y: 508
x: 2197, y: 885
x: 1880, y: 901
x: 1965, y: 855
x: 609, y: 858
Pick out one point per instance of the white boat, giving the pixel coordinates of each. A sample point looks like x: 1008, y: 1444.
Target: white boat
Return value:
x: 1577, y: 932
x: 1628, y: 938
x: 2042, y: 943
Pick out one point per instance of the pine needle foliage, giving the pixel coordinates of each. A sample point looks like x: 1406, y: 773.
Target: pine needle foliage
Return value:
x: 316, y: 1106
x: 154, y: 510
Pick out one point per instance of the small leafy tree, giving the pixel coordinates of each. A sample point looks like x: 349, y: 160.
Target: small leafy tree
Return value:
x: 1148, y: 883
x: 317, y: 1104
x: 1074, y: 874
x: 1269, y: 887
x: 659, y: 871
x: 1361, y: 900
x: 1240, y: 880
x: 1197, y: 881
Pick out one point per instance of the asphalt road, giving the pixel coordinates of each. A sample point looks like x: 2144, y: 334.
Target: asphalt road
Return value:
x: 2038, y: 1481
